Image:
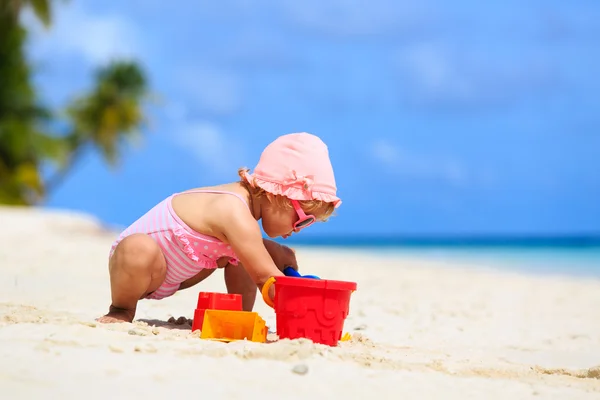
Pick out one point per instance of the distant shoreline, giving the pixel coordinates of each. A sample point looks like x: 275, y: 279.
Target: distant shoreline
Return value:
x: 587, y: 240
x: 542, y: 242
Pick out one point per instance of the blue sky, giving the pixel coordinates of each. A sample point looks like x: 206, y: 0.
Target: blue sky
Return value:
x: 441, y: 117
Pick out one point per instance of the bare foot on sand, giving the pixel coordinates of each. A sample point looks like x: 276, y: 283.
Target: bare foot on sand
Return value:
x: 117, y: 315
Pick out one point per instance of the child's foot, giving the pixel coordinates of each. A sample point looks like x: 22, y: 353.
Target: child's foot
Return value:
x: 117, y: 315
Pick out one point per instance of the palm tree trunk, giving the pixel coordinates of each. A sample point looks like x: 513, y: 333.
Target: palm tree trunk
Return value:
x: 59, y: 176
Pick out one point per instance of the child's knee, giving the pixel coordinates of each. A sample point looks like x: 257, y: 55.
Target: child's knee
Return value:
x: 138, y: 253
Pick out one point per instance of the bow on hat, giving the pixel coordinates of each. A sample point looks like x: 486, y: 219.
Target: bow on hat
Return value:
x: 293, y: 179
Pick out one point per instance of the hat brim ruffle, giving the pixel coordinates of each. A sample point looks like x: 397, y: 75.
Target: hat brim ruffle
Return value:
x: 291, y: 192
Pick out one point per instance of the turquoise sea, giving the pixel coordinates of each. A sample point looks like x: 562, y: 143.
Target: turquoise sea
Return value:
x: 578, y: 256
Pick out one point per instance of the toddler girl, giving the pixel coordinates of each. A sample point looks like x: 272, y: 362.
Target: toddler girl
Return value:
x: 183, y: 239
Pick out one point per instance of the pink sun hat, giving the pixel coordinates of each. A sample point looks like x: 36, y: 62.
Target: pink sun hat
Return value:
x: 296, y: 166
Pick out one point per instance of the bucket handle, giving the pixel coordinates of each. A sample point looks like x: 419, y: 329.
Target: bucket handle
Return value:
x: 265, y: 292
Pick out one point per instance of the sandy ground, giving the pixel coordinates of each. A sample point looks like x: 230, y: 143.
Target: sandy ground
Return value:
x: 421, y: 330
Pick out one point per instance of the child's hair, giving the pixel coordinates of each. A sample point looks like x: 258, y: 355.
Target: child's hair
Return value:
x: 323, y: 209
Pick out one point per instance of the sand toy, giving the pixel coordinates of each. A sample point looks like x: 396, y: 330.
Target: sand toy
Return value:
x: 227, y: 326
x: 310, y: 308
x: 214, y: 301
x: 289, y: 271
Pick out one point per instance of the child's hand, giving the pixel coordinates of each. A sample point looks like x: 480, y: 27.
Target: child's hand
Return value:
x: 282, y: 256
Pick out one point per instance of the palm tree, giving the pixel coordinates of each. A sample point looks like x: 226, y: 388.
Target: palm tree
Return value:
x: 101, y: 118
x: 22, y: 144
x: 107, y: 116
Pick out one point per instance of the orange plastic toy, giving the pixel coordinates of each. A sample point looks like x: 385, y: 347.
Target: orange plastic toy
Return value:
x: 227, y: 326
x: 214, y: 301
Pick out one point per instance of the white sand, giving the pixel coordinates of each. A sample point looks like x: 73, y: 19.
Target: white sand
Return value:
x: 425, y: 331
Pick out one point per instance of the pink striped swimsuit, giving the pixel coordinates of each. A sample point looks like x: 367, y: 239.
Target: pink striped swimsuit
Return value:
x: 186, y: 251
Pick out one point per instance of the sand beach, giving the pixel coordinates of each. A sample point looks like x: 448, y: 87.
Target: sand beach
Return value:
x: 421, y: 329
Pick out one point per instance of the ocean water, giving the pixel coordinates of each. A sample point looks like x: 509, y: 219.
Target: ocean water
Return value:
x: 575, y: 256
x: 576, y: 262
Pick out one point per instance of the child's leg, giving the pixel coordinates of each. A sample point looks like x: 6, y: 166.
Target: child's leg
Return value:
x: 137, y: 268
x: 238, y: 281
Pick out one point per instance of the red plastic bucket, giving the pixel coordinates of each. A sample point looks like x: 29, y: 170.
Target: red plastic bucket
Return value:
x: 311, y: 308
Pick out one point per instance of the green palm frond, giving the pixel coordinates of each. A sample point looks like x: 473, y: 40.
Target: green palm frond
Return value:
x: 42, y: 9
x: 112, y: 111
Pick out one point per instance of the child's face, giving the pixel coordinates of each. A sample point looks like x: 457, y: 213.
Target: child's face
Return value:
x: 279, y: 221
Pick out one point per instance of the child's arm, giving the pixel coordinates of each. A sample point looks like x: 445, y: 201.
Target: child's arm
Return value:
x: 244, y: 235
x: 282, y: 256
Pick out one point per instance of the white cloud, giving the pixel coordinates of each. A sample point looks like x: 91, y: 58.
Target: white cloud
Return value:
x: 384, y: 152
x: 436, y: 72
x: 414, y: 166
x: 259, y: 49
x: 210, y: 146
x: 439, y: 73
x: 75, y: 31
x: 212, y: 90
x: 356, y: 17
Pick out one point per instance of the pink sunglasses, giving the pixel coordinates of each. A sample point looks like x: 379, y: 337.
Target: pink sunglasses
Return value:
x: 305, y: 220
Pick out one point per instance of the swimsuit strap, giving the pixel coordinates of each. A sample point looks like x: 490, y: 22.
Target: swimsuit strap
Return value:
x: 219, y: 192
